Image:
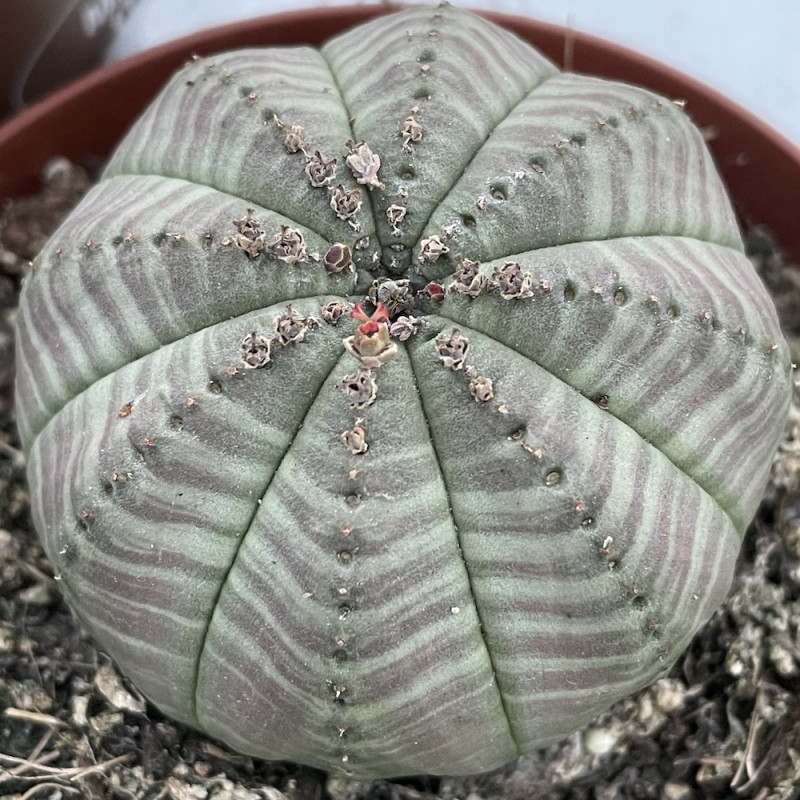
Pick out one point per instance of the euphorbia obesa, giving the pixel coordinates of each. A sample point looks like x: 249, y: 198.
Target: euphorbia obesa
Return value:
x: 397, y: 406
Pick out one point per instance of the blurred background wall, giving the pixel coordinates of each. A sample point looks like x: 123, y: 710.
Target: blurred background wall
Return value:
x: 748, y: 50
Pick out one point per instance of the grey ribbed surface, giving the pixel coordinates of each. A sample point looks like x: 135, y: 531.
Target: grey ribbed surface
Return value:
x: 489, y: 575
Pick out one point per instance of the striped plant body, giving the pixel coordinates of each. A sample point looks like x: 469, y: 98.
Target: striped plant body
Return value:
x: 396, y: 407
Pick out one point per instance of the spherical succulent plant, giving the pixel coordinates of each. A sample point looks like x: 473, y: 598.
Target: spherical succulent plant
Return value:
x: 395, y: 407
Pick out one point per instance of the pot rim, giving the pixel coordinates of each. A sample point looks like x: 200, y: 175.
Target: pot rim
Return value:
x: 760, y: 166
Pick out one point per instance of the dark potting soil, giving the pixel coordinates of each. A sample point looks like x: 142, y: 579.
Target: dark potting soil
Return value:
x: 725, y: 723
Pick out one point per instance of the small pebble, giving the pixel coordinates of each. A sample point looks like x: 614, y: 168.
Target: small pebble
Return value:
x: 600, y: 741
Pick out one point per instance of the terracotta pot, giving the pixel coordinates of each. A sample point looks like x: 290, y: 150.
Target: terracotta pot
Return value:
x: 84, y: 120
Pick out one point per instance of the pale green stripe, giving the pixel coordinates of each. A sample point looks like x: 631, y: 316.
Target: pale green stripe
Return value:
x: 246, y: 156
x: 244, y: 457
x: 478, y: 74
x: 571, y: 201
x: 406, y: 575
x: 194, y: 286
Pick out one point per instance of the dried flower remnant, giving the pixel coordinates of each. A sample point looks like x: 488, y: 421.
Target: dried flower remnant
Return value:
x: 404, y: 327
x: 467, y: 279
x: 249, y: 237
x: 396, y: 295
x: 355, y: 439
x: 338, y: 258
x: 371, y: 343
x: 295, y: 140
x: 345, y: 202
x: 450, y: 231
x: 535, y: 450
x: 361, y: 388
x: 481, y: 389
x: 256, y: 350
x: 364, y: 164
x: 435, y: 291
x: 332, y: 312
x: 412, y: 133
x: 396, y: 214
x: 451, y: 349
x: 511, y: 281
x: 291, y: 326
x: 432, y: 248
x: 319, y: 170
x: 288, y: 245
